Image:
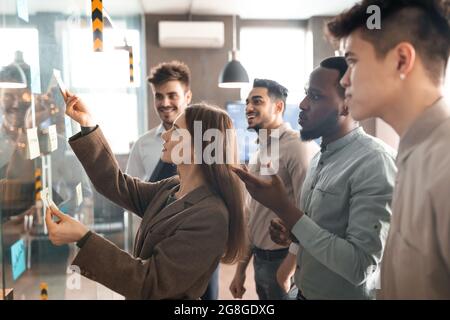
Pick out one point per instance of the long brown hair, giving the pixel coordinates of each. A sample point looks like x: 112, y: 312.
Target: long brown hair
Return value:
x: 220, y: 176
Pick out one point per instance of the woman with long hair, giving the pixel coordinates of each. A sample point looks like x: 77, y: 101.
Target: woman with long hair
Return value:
x: 190, y: 222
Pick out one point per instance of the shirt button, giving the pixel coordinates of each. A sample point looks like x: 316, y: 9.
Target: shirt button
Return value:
x: 321, y: 163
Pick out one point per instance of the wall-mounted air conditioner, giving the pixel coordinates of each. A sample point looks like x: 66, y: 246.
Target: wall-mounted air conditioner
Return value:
x: 191, y: 34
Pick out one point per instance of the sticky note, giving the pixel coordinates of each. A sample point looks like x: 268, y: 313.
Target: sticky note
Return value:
x: 52, y: 138
x: 33, y: 143
x: 18, y: 258
x: 22, y: 10
x: 59, y: 81
x: 44, y: 196
x: 79, y: 193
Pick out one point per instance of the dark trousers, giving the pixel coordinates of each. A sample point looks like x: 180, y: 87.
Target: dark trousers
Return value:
x: 212, y: 291
x: 266, y: 264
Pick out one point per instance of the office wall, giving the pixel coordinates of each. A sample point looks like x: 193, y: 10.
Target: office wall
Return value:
x: 321, y: 47
x: 205, y: 64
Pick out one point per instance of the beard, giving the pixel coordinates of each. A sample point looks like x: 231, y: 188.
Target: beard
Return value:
x: 326, y: 126
x: 256, y: 127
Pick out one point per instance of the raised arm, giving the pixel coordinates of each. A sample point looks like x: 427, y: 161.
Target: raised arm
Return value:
x: 94, y: 153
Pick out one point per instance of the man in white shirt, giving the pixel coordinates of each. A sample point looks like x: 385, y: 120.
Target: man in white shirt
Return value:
x: 170, y: 82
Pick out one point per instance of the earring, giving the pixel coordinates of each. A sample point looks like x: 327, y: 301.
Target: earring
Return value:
x: 402, y: 76
x: 345, y: 111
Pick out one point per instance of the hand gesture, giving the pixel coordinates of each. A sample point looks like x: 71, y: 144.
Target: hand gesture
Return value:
x: 270, y: 191
x: 279, y: 233
x: 64, y: 231
x: 78, y: 111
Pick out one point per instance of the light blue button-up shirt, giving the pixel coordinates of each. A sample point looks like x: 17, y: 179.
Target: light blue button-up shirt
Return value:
x: 346, y: 199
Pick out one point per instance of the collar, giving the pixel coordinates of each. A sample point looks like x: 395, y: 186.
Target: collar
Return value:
x: 159, y: 130
x: 421, y: 129
x: 194, y: 196
x: 342, y: 142
x: 276, y: 133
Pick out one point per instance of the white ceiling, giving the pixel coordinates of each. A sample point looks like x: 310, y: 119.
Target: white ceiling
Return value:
x: 246, y: 9
x: 250, y: 9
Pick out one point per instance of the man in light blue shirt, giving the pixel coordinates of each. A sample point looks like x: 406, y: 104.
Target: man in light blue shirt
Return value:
x: 344, y: 215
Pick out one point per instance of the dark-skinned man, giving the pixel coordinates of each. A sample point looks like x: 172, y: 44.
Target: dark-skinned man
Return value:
x: 344, y: 215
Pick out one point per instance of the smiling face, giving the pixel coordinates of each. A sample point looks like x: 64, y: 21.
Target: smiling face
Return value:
x: 322, y: 106
x: 14, y: 104
x: 171, y: 98
x: 261, y: 111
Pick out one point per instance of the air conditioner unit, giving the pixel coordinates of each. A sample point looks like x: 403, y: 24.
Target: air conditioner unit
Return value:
x: 191, y: 34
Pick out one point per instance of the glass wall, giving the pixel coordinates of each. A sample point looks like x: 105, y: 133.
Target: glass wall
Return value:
x: 41, y: 41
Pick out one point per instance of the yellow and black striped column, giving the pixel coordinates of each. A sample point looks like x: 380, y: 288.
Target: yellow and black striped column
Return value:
x: 130, y: 53
x: 97, y: 24
x: 44, y: 291
x: 37, y: 183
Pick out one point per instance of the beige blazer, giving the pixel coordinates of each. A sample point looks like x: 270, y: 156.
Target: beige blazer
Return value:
x: 177, y: 247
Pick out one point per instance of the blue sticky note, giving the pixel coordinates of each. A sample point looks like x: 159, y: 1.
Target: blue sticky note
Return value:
x: 18, y: 259
x: 22, y: 10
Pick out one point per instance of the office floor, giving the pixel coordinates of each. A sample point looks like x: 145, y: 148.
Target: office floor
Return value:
x: 59, y: 287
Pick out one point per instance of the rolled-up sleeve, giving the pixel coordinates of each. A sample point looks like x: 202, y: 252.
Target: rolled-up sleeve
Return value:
x: 356, y: 255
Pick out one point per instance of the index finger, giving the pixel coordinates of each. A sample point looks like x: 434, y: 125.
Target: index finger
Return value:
x: 48, y: 219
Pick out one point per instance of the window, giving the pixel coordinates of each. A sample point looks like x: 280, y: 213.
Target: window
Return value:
x: 28, y: 46
x: 102, y: 79
x: 276, y: 53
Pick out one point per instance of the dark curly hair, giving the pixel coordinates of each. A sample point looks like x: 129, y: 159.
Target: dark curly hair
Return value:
x: 169, y: 71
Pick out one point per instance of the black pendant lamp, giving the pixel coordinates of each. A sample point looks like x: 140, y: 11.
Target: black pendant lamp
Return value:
x: 12, y: 77
x: 233, y: 75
